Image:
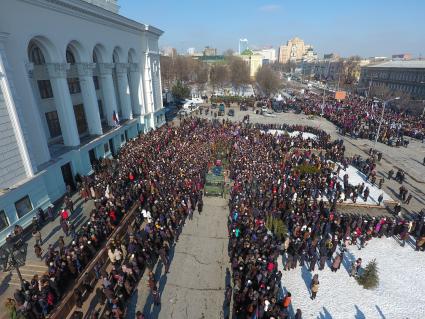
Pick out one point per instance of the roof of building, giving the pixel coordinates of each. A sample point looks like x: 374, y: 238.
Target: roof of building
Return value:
x: 416, y: 64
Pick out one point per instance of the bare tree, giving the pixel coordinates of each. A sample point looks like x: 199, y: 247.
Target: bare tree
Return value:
x: 239, y: 73
x: 168, y: 73
x: 184, y: 68
x: 201, y: 73
x: 219, y: 76
x: 268, y: 80
x: 228, y: 52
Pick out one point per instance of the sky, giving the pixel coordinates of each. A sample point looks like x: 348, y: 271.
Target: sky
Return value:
x: 346, y: 27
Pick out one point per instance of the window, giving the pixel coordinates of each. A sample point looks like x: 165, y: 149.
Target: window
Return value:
x: 53, y: 124
x: 45, y: 89
x: 106, y: 148
x: 96, y: 82
x: 122, y: 138
x: 4, y: 223
x: 35, y: 55
x: 70, y: 57
x: 23, y: 206
x: 74, y: 85
x: 80, y: 118
x: 101, y: 114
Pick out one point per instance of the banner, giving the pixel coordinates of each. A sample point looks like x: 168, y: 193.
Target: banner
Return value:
x: 340, y: 95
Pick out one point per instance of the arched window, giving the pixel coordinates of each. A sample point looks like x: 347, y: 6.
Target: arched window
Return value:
x: 95, y: 57
x: 36, y: 55
x: 70, y: 58
x: 115, y: 57
x: 130, y: 58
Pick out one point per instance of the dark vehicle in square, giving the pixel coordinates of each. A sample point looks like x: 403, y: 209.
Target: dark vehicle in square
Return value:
x: 231, y: 112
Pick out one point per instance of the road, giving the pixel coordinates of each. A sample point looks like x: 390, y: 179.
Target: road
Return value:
x: 195, y: 285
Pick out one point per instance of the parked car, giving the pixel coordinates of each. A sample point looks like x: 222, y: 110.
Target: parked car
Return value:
x: 221, y: 110
x: 231, y: 112
x: 213, y: 106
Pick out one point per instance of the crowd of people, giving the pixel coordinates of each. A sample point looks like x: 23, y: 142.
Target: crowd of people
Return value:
x: 360, y: 117
x: 159, y: 178
x: 160, y: 174
x: 271, y: 182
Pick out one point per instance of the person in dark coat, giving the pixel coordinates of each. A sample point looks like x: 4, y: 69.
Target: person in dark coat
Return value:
x: 78, y: 298
x: 336, y: 263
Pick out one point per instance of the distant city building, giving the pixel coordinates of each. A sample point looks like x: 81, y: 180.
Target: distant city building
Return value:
x: 243, y: 45
x: 404, y: 76
x: 330, y: 56
x: 210, y: 51
x: 268, y: 55
x: 169, y: 51
x: 254, y: 61
x: 309, y: 55
x: 402, y: 56
x: 293, y: 51
x: 191, y: 51
x: 375, y: 59
x: 209, y: 59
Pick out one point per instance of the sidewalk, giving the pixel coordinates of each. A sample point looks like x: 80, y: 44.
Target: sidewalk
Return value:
x: 9, y: 281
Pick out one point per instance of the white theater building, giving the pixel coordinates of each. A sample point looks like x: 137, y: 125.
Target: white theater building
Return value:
x: 66, y: 67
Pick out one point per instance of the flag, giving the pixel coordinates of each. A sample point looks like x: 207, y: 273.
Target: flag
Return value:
x: 115, y: 118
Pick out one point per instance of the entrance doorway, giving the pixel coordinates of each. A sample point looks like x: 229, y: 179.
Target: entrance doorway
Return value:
x: 68, y: 176
x: 92, y: 156
x: 111, y: 147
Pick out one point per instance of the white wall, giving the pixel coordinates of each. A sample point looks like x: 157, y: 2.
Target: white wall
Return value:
x: 57, y: 26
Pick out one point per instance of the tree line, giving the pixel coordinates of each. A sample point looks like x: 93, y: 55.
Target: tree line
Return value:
x: 180, y: 73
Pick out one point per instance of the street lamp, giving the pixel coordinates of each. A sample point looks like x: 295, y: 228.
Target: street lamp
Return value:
x: 382, y: 118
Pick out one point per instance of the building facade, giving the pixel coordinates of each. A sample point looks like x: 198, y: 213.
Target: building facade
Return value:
x: 77, y: 81
x: 243, y: 45
x: 268, y: 55
x: 254, y: 61
x: 210, y: 51
x: 404, y: 76
x: 293, y: 51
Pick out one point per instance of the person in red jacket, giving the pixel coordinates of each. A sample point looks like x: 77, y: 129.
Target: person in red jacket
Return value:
x: 286, y: 300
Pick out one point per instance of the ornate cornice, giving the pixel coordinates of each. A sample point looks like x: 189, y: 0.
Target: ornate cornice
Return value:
x: 85, y: 69
x: 121, y: 68
x: 57, y: 70
x: 134, y: 67
x: 94, y: 13
x: 4, y: 36
x: 105, y: 68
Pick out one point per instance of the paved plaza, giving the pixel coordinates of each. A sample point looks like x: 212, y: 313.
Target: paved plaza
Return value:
x: 195, y: 286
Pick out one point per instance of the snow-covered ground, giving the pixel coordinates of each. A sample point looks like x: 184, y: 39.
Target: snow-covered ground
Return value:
x: 355, y: 177
x: 400, y: 293
x: 305, y: 135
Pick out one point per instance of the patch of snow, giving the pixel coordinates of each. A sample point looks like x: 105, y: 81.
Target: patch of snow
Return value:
x: 305, y: 135
x: 400, y: 293
x: 355, y: 177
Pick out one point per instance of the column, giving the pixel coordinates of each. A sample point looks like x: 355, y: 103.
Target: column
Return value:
x: 88, y: 92
x: 63, y: 102
x: 136, y: 89
x: 108, y: 91
x: 5, y: 88
x: 149, y: 91
x: 123, y: 90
